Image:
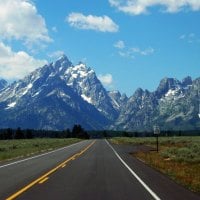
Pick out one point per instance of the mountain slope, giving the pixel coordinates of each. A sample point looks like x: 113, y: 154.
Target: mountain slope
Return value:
x: 174, y: 105
x: 3, y: 84
x: 84, y: 81
x: 59, y: 95
x: 178, y: 108
x: 117, y: 100
x: 138, y: 111
x: 43, y: 100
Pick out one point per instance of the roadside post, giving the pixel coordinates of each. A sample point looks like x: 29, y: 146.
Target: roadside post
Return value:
x: 156, y: 132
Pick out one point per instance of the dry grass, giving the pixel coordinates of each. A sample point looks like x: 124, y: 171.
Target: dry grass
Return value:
x: 187, y: 174
x: 178, y: 157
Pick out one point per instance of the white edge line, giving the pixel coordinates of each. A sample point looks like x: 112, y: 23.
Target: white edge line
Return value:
x: 153, y: 194
x: 30, y: 158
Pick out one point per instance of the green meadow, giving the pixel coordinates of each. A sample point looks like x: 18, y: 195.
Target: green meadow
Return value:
x: 10, y: 149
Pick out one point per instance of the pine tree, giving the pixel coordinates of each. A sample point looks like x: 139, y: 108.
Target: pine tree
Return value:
x: 19, y: 134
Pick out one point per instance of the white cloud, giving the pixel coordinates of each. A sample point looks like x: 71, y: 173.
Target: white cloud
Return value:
x: 20, y: 20
x: 126, y: 54
x: 56, y: 54
x: 91, y: 22
x: 144, y: 52
x: 136, y: 7
x: 106, y: 79
x: 131, y: 52
x: 190, y: 38
x: 119, y: 44
x: 15, y: 65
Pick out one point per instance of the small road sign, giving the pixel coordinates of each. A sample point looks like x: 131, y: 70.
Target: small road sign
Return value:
x: 156, y: 132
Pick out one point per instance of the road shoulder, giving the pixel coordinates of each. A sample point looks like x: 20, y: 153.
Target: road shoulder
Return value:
x: 158, y: 182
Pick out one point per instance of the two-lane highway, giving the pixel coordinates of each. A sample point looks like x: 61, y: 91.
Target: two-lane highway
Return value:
x: 88, y: 170
x: 16, y: 175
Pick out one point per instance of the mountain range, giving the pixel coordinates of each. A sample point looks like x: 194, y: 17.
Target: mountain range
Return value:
x: 60, y: 94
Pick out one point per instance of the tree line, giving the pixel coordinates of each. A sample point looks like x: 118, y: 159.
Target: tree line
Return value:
x: 163, y: 133
x: 76, y: 132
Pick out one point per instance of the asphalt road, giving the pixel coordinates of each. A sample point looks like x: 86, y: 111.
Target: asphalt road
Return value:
x: 90, y: 170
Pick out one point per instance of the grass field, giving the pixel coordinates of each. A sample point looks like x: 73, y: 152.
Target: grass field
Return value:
x: 178, y: 157
x: 10, y: 149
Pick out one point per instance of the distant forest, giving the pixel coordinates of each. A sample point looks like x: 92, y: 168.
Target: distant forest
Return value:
x: 78, y: 132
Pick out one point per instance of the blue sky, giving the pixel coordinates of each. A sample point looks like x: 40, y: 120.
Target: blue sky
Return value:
x: 129, y: 44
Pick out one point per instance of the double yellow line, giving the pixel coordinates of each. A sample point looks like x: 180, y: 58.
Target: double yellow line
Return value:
x: 45, y: 177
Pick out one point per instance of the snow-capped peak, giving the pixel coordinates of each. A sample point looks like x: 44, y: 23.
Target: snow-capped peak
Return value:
x: 62, y: 82
x: 62, y: 63
x: 63, y: 59
x: 79, y: 71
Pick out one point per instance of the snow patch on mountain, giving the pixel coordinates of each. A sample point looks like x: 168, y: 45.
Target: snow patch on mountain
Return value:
x: 88, y: 99
x: 59, y: 94
x: 30, y: 85
x: 11, y: 105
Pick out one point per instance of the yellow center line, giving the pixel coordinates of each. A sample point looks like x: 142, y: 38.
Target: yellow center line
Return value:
x: 45, y: 179
x: 48, y: 173
x: 63, y: 165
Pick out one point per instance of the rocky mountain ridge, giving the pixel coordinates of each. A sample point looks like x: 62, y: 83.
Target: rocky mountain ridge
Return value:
x: 3, y: 83
x: 59, y: 95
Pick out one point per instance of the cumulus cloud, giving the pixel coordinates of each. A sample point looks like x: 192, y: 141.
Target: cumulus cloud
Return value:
x: 20, y: 20
x: 91, y: 22
x: 119, y: 44
x: 106, y: 79
x: 15, y: 65
x: 136, y: 7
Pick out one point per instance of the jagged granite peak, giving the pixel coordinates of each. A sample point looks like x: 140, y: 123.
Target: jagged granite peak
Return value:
x: 63, y: 60
x: 180, y: 110
x: 115, y: 94
x: 174, y: 105
x: 166, y: 84
x: 60, y: 94
x: 80, y: 78
x: 56, y: 107
x: 55, y: 90
x: 85, y: 82
x: 187, y: 81
x: 124, y: 98
x: 118, y: 100
x: 136, y: 113
x: 77, y: 72
x: 3, y: 84
x: 197, y: 82
x: 115, y: 98
x: 139, y: 92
